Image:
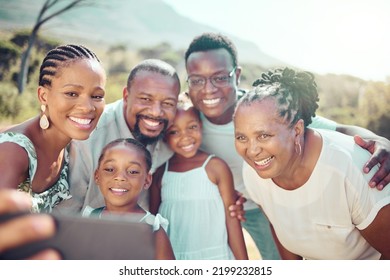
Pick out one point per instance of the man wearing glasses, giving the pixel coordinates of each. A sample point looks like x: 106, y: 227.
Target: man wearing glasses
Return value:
x: 213, y: 79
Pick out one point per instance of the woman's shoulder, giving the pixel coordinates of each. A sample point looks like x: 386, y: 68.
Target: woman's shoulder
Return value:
x: 16, y: 145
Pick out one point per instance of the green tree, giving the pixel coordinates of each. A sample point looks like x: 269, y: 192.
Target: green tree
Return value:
x: 46, y: 13
x: 374, y: 107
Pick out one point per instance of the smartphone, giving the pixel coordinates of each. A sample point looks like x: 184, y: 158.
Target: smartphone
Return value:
x: 115, y: 237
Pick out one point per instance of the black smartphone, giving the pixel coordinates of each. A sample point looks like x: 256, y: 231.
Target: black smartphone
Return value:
x: 114, y: 237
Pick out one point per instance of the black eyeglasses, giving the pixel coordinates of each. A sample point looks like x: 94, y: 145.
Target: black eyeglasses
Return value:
x: 219, y: 80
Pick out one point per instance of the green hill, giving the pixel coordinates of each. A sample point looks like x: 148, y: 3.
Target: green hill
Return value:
x: 133, y: 23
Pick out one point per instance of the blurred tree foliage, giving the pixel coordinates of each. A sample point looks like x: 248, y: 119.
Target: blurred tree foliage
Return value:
x: 344, y: 99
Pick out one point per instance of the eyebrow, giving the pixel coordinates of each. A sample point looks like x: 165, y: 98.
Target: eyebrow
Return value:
x: 80, y: 86
x: 113, y: 160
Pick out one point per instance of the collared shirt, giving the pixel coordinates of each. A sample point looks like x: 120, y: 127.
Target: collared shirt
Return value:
x: 84, y: 157
x: 321, y: 219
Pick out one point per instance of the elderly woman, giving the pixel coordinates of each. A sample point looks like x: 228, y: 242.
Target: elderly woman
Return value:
x: 310, y: 183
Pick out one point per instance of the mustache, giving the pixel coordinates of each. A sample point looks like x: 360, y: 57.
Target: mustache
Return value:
x: 161, y: 120
x: 147, y: 140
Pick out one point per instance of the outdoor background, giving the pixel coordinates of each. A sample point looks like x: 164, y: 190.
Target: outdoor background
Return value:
x: 345, y: 43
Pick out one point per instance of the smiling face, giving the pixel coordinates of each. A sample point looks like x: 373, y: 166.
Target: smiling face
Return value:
x: 121, y: 176
x: 150, y: 106
x: 217, y: 104
x: 264, y: 139
x: 75, y: 99
x: 185, y: 135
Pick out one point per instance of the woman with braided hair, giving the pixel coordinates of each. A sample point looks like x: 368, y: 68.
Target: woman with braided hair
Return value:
x: 33, y: 156
x: 309, y: 182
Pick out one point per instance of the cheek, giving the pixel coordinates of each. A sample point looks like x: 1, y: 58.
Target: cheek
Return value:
x: 172, y: 141
x: 131, y: 112
x: 100, y: 108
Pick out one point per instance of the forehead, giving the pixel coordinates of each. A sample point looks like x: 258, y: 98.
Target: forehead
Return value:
x: 258, y: 114
x: 210, y: 61
x: 126, y: 152
x: 186, y: 115
x: 155, y: 84
x: 84, y: 66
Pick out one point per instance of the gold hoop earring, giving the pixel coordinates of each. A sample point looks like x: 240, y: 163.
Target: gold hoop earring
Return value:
x: 43, y: 121
x: 299, y: 151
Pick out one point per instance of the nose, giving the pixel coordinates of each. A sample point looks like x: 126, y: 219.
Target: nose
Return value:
x: 86, y: 104
x: 254, y: 149
x: 120, y: 176
x: 209, y: 87
x: 156, y: 110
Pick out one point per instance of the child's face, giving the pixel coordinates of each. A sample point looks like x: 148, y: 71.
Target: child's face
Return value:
x: 185, y: 135
x: 121, y: 176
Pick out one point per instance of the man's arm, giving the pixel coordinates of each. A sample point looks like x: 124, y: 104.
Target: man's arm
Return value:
x: 378, y: 146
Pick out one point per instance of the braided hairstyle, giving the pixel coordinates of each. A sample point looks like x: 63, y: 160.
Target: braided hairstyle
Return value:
x: 59, y: 57
x: 212, y: 41
x: 295, y: 93
x: 131, y: 143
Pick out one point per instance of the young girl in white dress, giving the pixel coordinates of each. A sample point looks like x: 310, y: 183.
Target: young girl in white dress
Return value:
x: 193, y: 191
x: 122, y: 174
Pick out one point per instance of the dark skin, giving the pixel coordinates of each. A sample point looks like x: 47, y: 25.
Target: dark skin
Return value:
x: 210, y: 62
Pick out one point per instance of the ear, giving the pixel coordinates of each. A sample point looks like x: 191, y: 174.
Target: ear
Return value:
x: 125, y: 94
x: 238, y: 74
x: 42, y: 94
x: 148, y: 181
x: 299, y: 130
x: 96, y: 176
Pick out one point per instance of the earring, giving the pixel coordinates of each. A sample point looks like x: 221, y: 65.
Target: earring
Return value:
x: 299, y: 151
x: 43, y: 121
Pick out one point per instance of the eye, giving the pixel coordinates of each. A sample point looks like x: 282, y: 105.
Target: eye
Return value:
x: 173, y: 132
x: 168, y: 104
x: 196, y: 80
x: 133, y: 172
x: 71, y: 94
x: 98, y: 97
x: 240, y: 138
x: 108, y: 169
x: 264, y: 136
x: 145, y: 99
x: 194, y: 126
x: 220, y: 78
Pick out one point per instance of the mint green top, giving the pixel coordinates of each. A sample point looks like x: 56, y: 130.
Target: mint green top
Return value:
x: 196, y: 214
x: 44, y: 201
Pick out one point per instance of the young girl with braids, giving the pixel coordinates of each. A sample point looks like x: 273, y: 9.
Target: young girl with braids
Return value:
x: 122, y: 173
x: 33, y: 155
x: 193, y: 191
x: 309, y: 182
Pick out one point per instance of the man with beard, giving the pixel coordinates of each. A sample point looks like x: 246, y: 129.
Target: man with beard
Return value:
x: 147, y: 108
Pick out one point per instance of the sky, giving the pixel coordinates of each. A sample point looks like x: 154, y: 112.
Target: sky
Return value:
x: 324, y: 36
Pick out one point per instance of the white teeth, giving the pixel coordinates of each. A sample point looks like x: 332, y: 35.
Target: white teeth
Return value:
x: 151, y: 123
x: 211, y: 101
x: 264, y: 161
x: 188, y: 147
x: 81, y: 121
x: 118, y: 190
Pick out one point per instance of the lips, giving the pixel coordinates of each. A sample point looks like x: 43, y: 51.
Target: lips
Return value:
x: 118, y: 191
x: 187, y: 148
x: 264, y: 162
x: 211, y: 102
x: 151, y: 123
x: 81, y: 121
